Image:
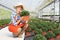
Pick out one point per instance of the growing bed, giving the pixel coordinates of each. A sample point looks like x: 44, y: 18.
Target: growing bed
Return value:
x: 43, y: 30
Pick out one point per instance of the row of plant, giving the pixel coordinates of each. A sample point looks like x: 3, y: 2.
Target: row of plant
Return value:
x: 44, y: 30
x: 4, y: 22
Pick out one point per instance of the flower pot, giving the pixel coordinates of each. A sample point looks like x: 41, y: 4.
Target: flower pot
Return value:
x: 58, y: 36
x: 43, y: 33
x: 51, y: 39
x: 27, y: 34
x: 50, y: 35
x: 0, y: 27
x: 33, y: 31
x: 49, y: 30
x: 25, y: 18
x: 24, y: 13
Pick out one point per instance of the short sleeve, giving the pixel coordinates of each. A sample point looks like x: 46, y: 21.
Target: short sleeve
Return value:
x: 12, y: 18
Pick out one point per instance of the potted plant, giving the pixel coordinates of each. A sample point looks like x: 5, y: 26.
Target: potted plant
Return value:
x: 24, y: 15
x: 38, y: 31
x: 50, y: 35
x: 40, y: 25
x: 54, y: 25
x: 44, y: 29
x: 49, y: 28
x: 39, y: 37
x: 43, y: 33
x: 43, y: 26
x: 32, y: 26
x: 57, y: 32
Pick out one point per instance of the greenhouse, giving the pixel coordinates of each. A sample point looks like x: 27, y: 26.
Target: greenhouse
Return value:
x: 40, y: 19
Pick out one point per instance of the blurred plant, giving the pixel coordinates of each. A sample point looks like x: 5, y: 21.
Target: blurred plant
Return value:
x: 39, y: 37
x: 50, y: 35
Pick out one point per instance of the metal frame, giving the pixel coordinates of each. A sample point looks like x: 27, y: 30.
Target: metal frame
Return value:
x: 47, y: 5
x: 59, y: 10
x: 7, y: 8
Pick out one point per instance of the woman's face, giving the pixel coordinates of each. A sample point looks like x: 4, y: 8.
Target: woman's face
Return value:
x: 18, y: 9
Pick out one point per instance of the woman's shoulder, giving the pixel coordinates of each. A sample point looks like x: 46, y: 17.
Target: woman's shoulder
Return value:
x: 13, y: 13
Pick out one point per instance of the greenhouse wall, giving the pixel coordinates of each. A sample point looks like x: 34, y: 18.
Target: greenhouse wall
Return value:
x: 52, y: 9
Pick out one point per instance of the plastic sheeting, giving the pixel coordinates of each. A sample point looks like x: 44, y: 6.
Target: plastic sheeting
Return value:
x: 30, y: 5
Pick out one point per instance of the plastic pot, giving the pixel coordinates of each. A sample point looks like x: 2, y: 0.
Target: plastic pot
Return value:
x: 43, y: 33
x: 27, y: 34
x: 50, y: 38
x: 58, y: 36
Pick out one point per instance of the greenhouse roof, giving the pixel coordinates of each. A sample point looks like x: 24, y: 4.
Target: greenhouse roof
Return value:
x: 30, y: 5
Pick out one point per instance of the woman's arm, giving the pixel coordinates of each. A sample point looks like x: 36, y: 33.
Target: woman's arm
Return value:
x: 13, y: 19
x: 19, y: 21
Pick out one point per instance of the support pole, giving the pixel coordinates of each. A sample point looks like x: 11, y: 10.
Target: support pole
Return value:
x: 59, y: 10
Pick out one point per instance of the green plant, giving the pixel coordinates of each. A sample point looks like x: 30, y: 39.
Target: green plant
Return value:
x: 44, y: 26
x: 32, y: 26
x: 49, y: 28
x: 38, y: 31
x: 39, y: 37
x: 24, y: 13
x: 55, y: 25
x: 44, y: 29
x: 4, y: 21
x: 57, y: 31
x: 36, y: 23
x: 50, y: 35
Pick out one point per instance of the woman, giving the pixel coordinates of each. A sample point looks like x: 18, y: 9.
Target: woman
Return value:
x: 15, y: 27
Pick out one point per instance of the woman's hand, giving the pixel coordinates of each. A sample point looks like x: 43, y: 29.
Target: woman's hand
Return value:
x: 21, y: 18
